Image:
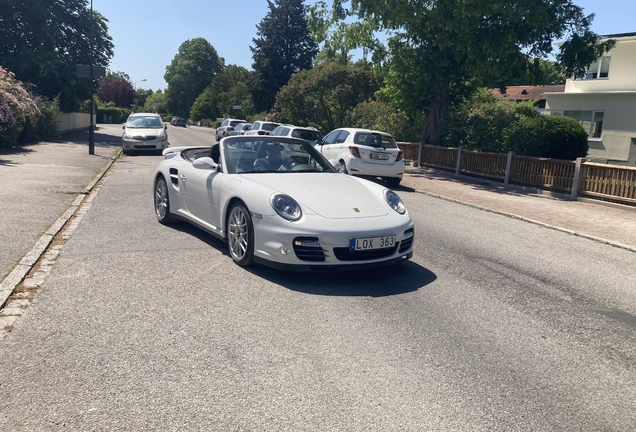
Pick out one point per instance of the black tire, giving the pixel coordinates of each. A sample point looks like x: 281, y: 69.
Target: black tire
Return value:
x: 240, y: 235
x: 393, y: 181
x: 344, y: 167
x: 162, y: 201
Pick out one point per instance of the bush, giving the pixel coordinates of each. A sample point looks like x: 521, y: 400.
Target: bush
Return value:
x: 483, y: 123
x: 380, y: 116
x: 119, y: 114
x: 47, y: 123
x: 549, y: 136
x: 16, y: 108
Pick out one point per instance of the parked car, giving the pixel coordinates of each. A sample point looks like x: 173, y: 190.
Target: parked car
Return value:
x: 144, y: 132
x: 173, y: 120
x: 365, y: 152
x: 308, y: 215
x: 309, y: 134
x: 260, y: 127
x: 240, y: 129
x: 180, y: 122
x: 222, y: 130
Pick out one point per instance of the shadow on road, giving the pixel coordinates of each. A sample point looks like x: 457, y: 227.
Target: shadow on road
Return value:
x: 384, y: 281
x: 380, y: 282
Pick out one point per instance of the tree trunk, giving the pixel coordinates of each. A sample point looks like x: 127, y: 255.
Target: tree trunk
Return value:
x: 436, y: 116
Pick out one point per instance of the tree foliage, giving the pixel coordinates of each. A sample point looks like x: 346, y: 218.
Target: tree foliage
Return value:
x: 282, y: 48
x: 377, y: 115
x: 156, y: 102
x: 487, y: 124
x: 437, y: 52
x: 483, y: 122
x: 324, y: 96
x: 16, y: 108
x: 190, y: 72
x: 116, y: 88
x: 227, y: 89
x: 141, y: 95
x: 42, y: 41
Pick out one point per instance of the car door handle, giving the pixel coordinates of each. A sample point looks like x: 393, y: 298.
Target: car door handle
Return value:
x: 182, y: 177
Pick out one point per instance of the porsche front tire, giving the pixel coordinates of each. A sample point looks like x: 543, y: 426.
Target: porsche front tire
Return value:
x: 162, y: 201
x: 240, y: 235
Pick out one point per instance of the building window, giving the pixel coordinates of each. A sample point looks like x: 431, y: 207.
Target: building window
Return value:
x: 592, y: 121
x: 597, y: 70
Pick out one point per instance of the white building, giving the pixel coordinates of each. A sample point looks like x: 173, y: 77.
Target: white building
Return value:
x: 604, y: 102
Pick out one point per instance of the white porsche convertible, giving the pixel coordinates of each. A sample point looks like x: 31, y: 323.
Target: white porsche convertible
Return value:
x: 278, y: 202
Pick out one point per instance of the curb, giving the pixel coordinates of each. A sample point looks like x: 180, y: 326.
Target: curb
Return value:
x: 17, y: 275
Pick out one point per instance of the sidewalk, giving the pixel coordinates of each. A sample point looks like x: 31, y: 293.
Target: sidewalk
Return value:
x: 43, y: 185
x: 598, y: 220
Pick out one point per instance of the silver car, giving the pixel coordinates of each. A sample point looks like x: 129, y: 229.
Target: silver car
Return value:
x: 144, y: 132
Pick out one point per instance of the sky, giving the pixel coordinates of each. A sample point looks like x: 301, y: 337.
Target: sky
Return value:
x: 147, y: 33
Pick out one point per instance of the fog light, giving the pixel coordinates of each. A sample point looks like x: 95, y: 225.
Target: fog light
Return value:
x: 284, y: 250
x: 307, y: 243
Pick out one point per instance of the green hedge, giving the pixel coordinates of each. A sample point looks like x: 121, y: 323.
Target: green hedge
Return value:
x: 548, y: 136
x: 119, y: 114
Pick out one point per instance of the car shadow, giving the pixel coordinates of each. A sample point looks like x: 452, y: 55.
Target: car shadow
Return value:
x: 385, y: 281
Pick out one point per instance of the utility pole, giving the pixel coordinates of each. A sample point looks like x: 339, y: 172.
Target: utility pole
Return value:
x: 91, y: 130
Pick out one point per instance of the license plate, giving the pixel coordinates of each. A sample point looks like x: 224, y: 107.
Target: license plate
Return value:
x: 371, y: 243
x: 380, y: 156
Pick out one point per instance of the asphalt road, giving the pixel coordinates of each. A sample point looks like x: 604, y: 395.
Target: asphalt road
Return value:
x: 494, y: 325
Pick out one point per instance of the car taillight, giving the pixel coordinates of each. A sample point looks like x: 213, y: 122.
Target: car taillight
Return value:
x: 260, y: 132
x: 399, y: 157
x: 355, y: 151
x: 230, y: 128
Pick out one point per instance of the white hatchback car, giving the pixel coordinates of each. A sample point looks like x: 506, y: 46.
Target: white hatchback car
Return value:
x: 364, y: 152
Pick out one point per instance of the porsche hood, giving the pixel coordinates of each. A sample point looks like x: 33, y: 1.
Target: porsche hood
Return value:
x: 333, y: 196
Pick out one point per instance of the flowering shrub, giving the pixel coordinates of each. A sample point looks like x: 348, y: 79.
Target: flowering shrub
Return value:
x: 16, y: 107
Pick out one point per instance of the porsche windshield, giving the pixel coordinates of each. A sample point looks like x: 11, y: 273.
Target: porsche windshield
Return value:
x: 258, y: 154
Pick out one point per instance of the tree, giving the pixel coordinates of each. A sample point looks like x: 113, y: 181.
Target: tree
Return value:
x: 542, y: 72
x: 116, y: 88
x: 377, y: 115
x: 283, y: 47
x: 190, y: 72
x: 482, y: 122
x: 156, y: 102
x: 141, y: 95
x: 440, y: 51
x: 227, y: 89
x: 323, y: 96
x: 42, y: 41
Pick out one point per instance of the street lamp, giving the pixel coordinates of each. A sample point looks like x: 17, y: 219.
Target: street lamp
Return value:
x: 135, y: 84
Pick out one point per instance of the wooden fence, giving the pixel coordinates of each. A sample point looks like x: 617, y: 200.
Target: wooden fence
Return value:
x: 577, y: 178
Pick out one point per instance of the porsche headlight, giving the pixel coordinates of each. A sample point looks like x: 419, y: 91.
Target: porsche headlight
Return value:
x: 286, y: 207
x: 394, y: 201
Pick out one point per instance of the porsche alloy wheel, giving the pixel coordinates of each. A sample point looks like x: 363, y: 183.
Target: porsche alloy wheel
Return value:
x: 240, y: 235
x: 162, y: 201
